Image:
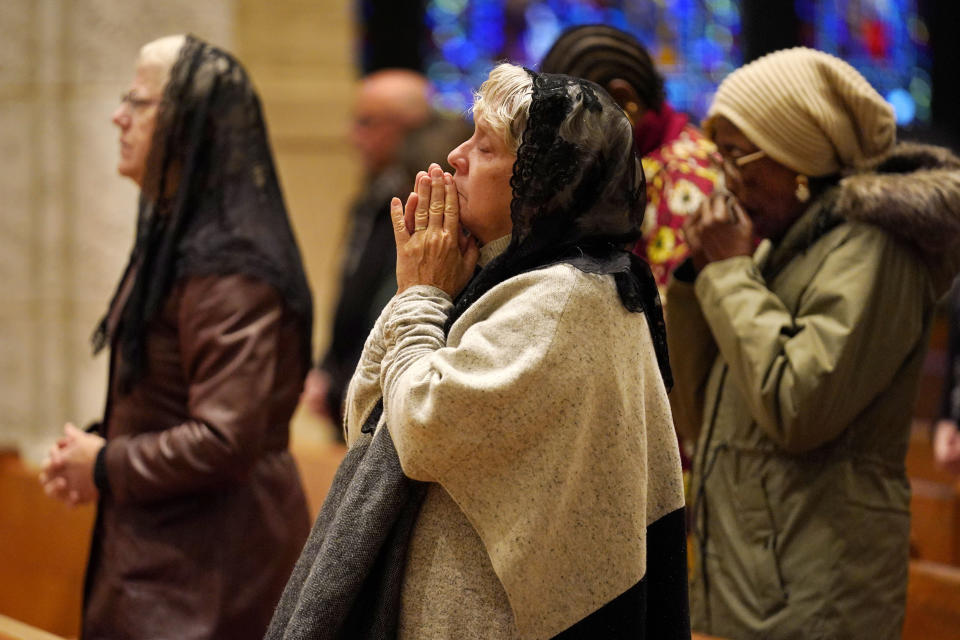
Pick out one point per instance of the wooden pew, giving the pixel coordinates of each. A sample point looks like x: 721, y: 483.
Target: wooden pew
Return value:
x: 933, y: 602
x: 11, y: 629
x: 935, y: 503
x: 44, y: 544
x: 920, y: 462
x: 935, y: 522
x: 930, y: 389
x: 43, y: 551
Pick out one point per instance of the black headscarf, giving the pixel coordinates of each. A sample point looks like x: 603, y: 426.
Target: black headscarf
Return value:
x: 211, y: 203
x: 578, y: 198
x: 602, y: 53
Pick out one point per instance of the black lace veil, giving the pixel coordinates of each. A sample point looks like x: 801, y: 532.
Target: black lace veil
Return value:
x: 579, y: 197
x: 211, y: 203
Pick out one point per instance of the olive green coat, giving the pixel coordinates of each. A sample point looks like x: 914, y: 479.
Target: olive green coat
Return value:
x: 798, y: 368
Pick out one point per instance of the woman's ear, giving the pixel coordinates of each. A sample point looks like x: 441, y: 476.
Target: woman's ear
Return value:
x: 626, y: 96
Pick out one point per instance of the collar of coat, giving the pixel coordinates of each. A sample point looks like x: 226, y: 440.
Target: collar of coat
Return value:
x: 913, y: 193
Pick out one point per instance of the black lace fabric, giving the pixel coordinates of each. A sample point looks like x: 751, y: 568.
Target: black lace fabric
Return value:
x: 579, y: 197
x: 211, y: 203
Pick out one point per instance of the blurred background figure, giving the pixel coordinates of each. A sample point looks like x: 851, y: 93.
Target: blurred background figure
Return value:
x: 680, y: 165
x: 798, y: 364
x: 946, y: 434
x: 396, y: 133
x: 200, y: 509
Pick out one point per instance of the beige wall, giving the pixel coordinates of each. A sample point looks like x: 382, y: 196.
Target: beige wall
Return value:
x: 300, y: 54
x: 66, y: 218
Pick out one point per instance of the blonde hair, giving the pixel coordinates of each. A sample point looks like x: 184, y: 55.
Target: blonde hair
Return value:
x: 503, y: 102
x: 161, y: 53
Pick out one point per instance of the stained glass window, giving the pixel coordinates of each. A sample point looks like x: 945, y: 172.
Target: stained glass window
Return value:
x: 886, y: 40
x: 695, y: 43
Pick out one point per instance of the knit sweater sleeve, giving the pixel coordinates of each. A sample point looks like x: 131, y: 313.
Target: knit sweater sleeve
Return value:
x: 364, y: 390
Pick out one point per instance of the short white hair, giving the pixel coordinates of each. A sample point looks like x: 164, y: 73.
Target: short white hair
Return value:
x: 162, y: 53
x: 503, y: 102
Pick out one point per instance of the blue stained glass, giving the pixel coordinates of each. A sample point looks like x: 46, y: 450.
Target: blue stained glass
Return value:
x: 886, y: 40
x: 460, y: 52
x: 694, y: 42
x: 904, y: 105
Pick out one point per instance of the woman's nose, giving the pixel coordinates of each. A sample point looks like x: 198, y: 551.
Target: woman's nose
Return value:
x: 120, y: 116
x: 456, y: 158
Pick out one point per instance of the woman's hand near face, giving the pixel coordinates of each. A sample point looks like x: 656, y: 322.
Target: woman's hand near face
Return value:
x: 718, y: 230
x: 433, y: 251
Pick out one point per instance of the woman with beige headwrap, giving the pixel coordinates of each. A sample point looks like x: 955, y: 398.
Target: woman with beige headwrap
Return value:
x: 797, y: 363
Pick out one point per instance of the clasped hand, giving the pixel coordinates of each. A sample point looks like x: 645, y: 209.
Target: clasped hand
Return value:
x: 67, y: 473
x: 431, y: 246
x: 718, y: 230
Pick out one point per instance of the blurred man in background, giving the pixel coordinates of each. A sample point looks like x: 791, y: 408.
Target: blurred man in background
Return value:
x: 396, y: 132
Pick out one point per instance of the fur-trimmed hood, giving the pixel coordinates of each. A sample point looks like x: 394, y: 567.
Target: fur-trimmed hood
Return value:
x: 913, y: 193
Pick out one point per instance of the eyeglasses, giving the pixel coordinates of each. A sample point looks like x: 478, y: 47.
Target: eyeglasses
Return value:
x: 135, y: 103
x: 733, y: 165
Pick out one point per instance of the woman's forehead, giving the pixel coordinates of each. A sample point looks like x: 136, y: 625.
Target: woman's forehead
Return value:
x: 483, y: 130
x: 149, y: 77
x: 727, y: 134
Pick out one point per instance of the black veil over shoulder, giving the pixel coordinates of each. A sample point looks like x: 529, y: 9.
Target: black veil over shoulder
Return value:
x: 579, y: 196
x: 211, y: 203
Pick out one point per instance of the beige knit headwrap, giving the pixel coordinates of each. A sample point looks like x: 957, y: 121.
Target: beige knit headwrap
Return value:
x: 809, y: 110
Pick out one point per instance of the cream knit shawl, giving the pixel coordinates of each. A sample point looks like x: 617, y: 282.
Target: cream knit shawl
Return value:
x: 544, y: 416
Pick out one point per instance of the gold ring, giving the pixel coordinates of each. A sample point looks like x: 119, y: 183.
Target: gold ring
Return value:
x: 423, y: 228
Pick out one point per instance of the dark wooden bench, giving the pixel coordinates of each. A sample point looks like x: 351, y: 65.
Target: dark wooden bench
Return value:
x: 933, y: 602
x: 11, y: 629
x: 43, y: 551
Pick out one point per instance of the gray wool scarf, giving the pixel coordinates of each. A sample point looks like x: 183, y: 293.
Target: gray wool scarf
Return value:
x: 346, y: 583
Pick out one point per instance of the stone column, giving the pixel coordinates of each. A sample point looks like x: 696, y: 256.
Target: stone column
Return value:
x: 66, y: 218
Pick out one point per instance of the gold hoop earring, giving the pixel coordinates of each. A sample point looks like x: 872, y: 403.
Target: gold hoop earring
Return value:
x: 803, y: 188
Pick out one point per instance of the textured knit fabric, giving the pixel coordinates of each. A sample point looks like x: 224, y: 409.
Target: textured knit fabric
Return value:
x: 808, y: 110
x: 569, y: 497
x: 799, y: 368
x: 542, y: 486
x: 346, y: 585
x: 492, y: 249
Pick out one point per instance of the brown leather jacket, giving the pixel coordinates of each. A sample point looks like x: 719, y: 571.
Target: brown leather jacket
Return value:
x: 204, y: 516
